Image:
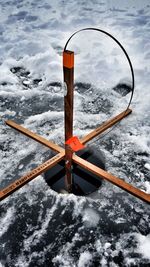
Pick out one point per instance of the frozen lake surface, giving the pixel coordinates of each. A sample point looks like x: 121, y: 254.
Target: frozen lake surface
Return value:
x: 39, y: 227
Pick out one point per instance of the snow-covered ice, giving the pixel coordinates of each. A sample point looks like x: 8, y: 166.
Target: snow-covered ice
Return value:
x: 38, y: 227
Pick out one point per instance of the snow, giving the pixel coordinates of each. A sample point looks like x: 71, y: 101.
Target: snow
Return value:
x: 144, y: 245
x: 6, y: 220
x: 147, y: 166
x: 85, y: 259
x: 110, y: 227
x: 147, y: 185
x: 90, y: 217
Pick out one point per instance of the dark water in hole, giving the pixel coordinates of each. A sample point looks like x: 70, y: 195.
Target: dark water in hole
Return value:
x: 84, y: 182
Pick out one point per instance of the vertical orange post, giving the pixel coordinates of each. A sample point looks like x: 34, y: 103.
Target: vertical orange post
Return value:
x: 68, y: 69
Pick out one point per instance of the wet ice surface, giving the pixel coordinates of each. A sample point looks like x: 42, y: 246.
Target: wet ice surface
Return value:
x: 38, y: 227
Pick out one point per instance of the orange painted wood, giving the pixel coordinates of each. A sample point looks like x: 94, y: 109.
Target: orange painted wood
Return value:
x: 34, y: 136
x: 30, y: 175
x: 105, y: 126
x: 75, y: 144
x: 112, y: 179
x: 68, y: 59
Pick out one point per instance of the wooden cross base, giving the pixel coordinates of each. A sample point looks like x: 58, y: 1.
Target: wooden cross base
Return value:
x: 83, y: 163
x: 67, y: 154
